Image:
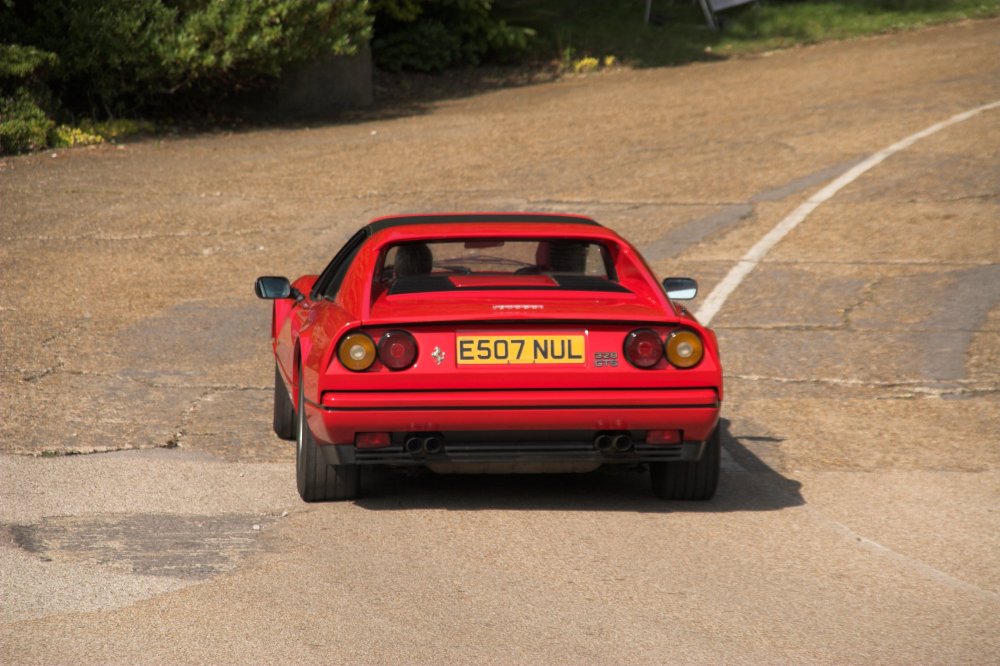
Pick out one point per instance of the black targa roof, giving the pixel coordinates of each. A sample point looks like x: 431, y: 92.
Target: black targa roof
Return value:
x: 471, y: 218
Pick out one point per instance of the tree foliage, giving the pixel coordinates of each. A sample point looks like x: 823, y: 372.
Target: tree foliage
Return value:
x: 432, y: 35
x: 24, y: 124
x: 119, y: 56
x: 72, y: 59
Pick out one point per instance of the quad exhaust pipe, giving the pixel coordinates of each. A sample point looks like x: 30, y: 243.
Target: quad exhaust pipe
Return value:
x: 433, y: 444
x: 622, y: 442
x: 604, y: 442
x: 420, y: 444
x: 613, y: 442
x: 607, y: 442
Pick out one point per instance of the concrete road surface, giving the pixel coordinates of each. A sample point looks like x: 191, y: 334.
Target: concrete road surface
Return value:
x: 858, y: 516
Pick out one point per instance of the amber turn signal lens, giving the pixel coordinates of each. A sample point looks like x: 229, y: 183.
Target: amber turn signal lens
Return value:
x: 397, y: 350
x: 643, y: 348
x: 356, y: 352
x: 684, y: 349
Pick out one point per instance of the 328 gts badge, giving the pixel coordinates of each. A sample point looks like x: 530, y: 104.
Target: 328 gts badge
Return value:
x: 605, y: 359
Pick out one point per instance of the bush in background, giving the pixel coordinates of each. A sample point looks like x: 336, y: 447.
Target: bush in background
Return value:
x: 66, y: 61
x: 433, y: 35
x: 106, y: 58
x: 24, y: 124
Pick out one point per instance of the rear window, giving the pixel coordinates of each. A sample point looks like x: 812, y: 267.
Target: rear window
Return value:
x: 498, y: 264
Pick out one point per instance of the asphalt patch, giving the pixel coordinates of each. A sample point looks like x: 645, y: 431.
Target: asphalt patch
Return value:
x: 941, y: 311
x: 191, y: 341
x: 185, y: 547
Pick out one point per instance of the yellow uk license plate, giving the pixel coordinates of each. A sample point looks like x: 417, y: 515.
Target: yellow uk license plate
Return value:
x: 519, y: 349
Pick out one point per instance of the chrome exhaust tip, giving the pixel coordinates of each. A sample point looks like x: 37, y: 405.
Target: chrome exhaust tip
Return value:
x: 433, y: 444
x: 603, y: 442
x: 622, y: 442
x: 413, y: 445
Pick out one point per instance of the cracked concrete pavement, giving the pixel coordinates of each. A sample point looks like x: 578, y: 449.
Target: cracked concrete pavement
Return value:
x: 859, y: 511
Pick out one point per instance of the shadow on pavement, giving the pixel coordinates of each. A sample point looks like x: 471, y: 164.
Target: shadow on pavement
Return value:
x: 749, y: 485
x: 400, y: 95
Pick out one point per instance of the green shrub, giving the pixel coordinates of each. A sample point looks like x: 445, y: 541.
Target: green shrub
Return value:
x: 24, y: 125
x: 23, y: 64
x: 110, y: 51
x: 227, y: 43
x: 136, y: 56
x: 432, y: 35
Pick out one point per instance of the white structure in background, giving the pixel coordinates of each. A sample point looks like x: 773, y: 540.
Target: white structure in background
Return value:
x: 711, y: 7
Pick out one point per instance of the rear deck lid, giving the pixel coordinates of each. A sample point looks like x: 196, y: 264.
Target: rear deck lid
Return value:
x: 500, y: 304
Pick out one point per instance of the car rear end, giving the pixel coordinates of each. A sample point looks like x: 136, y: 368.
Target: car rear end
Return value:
x: 499, y: 359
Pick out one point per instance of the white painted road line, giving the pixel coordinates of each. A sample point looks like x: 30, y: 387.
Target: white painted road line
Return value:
x: 749, y: 261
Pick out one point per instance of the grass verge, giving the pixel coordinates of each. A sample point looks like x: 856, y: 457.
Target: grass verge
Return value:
x: 570, y: 30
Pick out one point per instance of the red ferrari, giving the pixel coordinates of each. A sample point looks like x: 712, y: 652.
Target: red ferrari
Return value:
x: 501, y: 342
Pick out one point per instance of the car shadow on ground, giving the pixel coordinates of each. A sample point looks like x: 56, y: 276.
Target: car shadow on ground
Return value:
x: 747, y: 484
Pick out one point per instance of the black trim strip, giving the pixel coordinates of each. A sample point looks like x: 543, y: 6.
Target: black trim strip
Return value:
x: 503, y: 453
x: 445, y: 218
x: 436, y: 283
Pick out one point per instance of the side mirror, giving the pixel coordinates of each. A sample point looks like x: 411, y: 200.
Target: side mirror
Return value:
x: 272, y: 288
x: 680, y: 288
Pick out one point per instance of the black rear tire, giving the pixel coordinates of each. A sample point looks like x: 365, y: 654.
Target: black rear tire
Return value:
x: 689, y: 480
x: 284, y: 410
x: 316, y: 480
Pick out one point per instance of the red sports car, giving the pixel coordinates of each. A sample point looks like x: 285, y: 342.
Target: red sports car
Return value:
x: 501, y: 342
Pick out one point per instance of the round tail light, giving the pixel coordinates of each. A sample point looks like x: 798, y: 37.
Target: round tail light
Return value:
x: 643, y: 348
x: 356, y: 352
x: 684, y: 349
x: 397, y: 350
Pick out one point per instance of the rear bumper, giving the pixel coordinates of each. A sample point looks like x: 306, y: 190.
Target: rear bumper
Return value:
x: 503, y: 455
x: 551, y: 425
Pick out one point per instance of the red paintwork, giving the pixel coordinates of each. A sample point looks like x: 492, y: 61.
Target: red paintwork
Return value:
x: 431, y: 396
x: 577, y: 410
